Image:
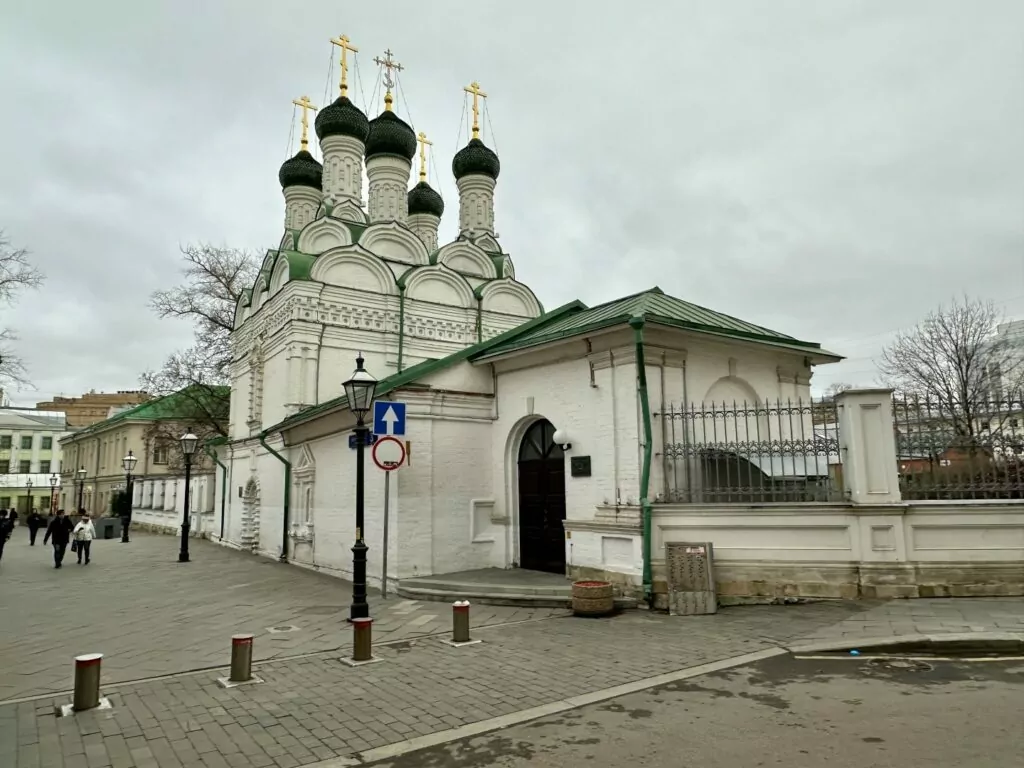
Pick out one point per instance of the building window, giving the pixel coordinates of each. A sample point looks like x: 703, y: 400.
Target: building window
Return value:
x: 44, y: 467
x: 47, y: 444
x: 5, y: 442
x: 24, y: 467
x: 5, y: 502
x: 160, y: 454
x: 26, y: 442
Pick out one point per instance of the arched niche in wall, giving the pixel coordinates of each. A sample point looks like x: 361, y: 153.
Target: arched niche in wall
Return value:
x: 280, y: 275
x: 510, y: 298
x: 355, y: 268
x: 322, y: 235
x: 395, y: 242
x: 731, y: 389
x: 242, y: 309
x: 439, y: 285
x: 466, y: 258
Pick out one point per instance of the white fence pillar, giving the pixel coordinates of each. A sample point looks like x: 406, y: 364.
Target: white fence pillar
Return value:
x: 868, y: 442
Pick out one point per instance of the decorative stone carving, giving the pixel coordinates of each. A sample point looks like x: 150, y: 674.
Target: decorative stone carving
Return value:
x: 303, y: 489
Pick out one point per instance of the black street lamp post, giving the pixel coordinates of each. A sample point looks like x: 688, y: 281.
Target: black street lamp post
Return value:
x: 188, y: 447
x: 81, y: 486
x: 359, y: 393
x: 28, y: 506
x: 128, y: 463
x: 53, y: 491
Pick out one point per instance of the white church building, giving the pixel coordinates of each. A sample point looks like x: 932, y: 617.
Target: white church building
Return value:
x: 488, y: 376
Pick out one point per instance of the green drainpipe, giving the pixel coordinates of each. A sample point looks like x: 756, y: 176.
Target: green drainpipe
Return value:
x: 645, y: 473
x: 287, y: 495
x: 223, y: 487
x: 401, y: 325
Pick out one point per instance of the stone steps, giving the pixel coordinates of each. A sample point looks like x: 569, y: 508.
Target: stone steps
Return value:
x: 525, y: 595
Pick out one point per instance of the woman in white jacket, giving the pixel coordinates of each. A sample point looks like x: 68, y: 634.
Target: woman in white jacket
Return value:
x: 83, y: 535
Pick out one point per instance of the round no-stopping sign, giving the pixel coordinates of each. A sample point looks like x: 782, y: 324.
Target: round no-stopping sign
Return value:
x: 388, y: 453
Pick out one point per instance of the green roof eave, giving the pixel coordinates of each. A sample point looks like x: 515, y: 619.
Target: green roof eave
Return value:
x: 411, y: 374
x: 164, y: 407
x: 654, y: 307
x: 299, y: 264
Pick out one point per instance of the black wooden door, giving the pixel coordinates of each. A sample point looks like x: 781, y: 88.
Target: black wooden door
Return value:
x: 541, y: 501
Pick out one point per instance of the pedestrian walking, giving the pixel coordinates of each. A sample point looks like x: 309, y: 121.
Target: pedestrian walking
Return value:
x: 84, y: 533
x: 59, y: 530
x: 6, y: 526
x: 35, y: 522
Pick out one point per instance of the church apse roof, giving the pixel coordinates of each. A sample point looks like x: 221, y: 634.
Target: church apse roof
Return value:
x: 654, y: 306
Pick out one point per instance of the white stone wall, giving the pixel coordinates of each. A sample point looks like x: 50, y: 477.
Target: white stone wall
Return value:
x: 343, y: 169
x: 158, y: 504
x: 476, y: 204
x: 388, y: 177
x: 300, y: 206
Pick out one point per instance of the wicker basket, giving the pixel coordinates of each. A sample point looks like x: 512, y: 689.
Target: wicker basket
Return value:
x: 593, y: 598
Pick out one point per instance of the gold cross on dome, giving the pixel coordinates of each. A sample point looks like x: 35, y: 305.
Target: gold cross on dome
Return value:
x: 306, y: 105
x: 424, y: 143
x: 388, y: 64
x: 343, y: 43
x: 474, y: 88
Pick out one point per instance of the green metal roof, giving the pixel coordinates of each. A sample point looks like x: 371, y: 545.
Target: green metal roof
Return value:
x: 653, y: 306
x: 183, y: 404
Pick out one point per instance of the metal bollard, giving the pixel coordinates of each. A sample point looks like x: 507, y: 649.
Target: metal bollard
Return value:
x: 87, y: 682
x: 460, y: 621
x: 241, y: 658
x: 362, y: 639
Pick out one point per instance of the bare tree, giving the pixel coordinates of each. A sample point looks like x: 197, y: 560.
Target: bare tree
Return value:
x: 836, y: 388
x: 214, y: 279
x: 17, y: 273
x: 955, y: 362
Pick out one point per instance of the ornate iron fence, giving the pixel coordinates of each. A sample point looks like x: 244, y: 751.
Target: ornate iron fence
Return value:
x: 752, y: 452
x: 949, y: 449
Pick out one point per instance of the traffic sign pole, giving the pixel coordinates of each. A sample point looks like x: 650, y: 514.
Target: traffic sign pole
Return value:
x: 384, y: 551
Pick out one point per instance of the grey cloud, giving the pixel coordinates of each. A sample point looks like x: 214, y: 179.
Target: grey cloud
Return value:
x: 832, y: 170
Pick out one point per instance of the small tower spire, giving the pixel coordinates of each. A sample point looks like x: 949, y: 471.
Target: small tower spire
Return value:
x: 388, y: 64
x: 474, y: 88
x: 424, y: 143
x: 306, y: 105
x: 346, y: 46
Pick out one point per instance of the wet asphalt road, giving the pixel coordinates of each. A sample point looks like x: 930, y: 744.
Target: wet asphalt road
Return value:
x: 779, y: 712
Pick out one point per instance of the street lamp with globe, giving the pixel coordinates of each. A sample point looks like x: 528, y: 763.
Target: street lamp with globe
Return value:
x: 81, y: 486
x: 53, y: 491
x: 188, y: 447
x: 359, y: 390
x: 128, y: 464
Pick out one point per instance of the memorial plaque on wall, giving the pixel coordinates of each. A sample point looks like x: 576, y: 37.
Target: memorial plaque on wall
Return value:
x: 579, y: 466
x: 691, y: 578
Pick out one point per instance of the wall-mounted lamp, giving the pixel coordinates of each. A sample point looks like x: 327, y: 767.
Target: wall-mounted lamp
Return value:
x: 562, y: 438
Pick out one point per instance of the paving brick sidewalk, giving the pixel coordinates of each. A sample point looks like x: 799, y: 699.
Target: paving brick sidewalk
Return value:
x: 317, y: 707
x: 151, y: 615
x: 927, y: 616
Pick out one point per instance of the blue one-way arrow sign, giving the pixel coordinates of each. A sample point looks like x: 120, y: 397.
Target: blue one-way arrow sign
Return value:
x: 388, y: 418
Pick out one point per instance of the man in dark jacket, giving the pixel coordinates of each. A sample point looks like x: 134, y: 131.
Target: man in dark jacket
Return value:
x: 35, y: 522
x: 59, y: 530
x: 6, y: 526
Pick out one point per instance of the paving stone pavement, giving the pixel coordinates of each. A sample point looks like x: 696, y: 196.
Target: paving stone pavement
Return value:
x: 150, y: 615
x: 927, y: 616
x: 317, y: 707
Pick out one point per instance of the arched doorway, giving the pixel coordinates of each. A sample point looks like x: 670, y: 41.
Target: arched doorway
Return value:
x: 541, y: 500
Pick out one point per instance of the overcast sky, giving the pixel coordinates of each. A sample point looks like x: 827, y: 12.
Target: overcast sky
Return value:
x: 832, y: 170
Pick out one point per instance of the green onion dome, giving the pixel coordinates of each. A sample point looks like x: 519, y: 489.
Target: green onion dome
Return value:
x: 342, y: 118
x: 476, y: 157
x: 390, y: 135
x: 423, y: 199
x: 301, y: 171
